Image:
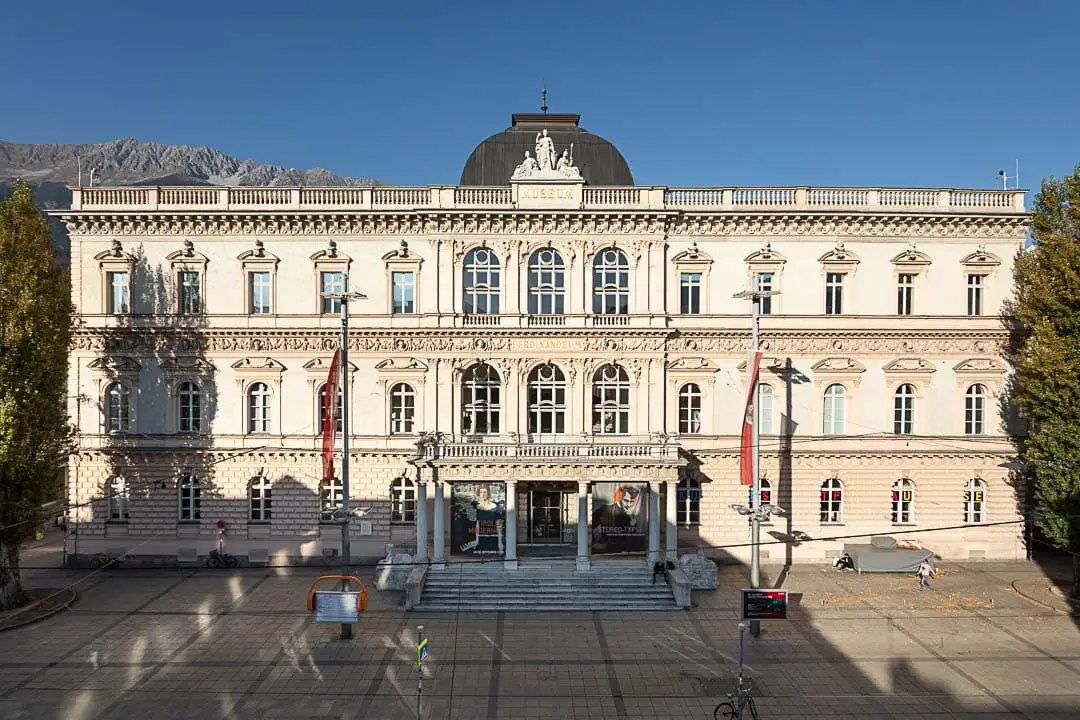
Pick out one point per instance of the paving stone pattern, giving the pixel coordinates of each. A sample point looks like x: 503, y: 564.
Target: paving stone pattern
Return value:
x: 238, y: 644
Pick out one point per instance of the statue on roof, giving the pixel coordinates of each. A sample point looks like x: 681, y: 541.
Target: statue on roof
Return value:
x: 548, y: 164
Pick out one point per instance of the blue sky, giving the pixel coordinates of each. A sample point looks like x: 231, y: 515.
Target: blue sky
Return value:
x: 692, y: 93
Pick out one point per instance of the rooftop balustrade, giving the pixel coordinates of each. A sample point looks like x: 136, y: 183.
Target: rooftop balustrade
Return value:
x: 576, y: 448
x: 643, y: 198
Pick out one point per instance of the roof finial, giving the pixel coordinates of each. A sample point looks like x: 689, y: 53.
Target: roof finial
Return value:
x: 543, y: 97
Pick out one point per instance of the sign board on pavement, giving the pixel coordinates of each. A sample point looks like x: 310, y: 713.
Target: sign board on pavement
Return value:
x: 337, y: 607
x: 764, y: 604
x: 421, y: 652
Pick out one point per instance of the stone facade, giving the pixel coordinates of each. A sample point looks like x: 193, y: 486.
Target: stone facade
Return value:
x: 218, y: 290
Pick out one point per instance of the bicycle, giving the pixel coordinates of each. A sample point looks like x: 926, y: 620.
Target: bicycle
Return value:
x: 741, y: 698
x: 219, y: 559
x: 104, y: 560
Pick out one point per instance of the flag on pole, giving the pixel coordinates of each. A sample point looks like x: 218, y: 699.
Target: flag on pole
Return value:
x: 330, y: 416
x: 746, y: 454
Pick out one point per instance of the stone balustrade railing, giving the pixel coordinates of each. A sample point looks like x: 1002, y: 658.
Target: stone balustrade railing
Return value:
x: 143, y: 199
x: 590, y: 447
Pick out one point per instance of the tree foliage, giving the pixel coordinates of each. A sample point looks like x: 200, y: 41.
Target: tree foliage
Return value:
x: 1047, y: 360
x: 35, y: 329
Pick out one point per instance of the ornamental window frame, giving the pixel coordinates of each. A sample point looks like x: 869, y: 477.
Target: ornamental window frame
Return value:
x: 408, y: 371
x: 252, y: 263
x: 189, y: 489
x: 402, y: 260
x: 111, y: 262
x: 119, y: 499
x: 329, y: 261
x: 688, y: 502
x: 612, y: 403
x: 902, y: 505
x: 182, y: 262
x: 914, y: 263
x: 843, y: 263
x: 547, y: 396
x: 403, y: 501
x: 984, y: 265
x: 260, y: 491
x: 476, y: 395
x: 701, y: 372
x: 107, y: 371
x: 617, y: 269
x: 252, y: 371
x: 766, y: 261
x: 481, y: 282
x: 693, y: 261
x: 550, y: 282
x: 403, y: 401
x: 832, y: 502
x: 975, y: 502
x: 317, y: 370
x: 109, y: 405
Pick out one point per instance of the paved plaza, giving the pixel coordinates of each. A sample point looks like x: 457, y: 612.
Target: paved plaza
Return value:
x: 990, y: 641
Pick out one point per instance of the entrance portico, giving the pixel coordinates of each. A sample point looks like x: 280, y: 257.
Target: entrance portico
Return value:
x: 503, y: 495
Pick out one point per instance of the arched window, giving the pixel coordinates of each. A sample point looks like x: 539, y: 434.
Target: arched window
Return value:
x: 547, y: 400
x: 903, y: 501
x: 765, y: 410
x: 402, y: 409
x: 259, y: 408
x: 835, y: 407
x: 832, y: 501
x: 975, y: 502
x: 975, y: 410
x: 904, y: 410
x: 190, y: 408
x: 323, y: 408
x: 611, y: 401
x: 403, y: 500
x: 688, y: 502
x: 118, y: 498
x: 481, y: 283
x: 329, y: 499
x: 766, y: 493
x: 117, y: 408
x: 190, y: 499
x: 547, y: 283
x: 611, y: 283
x: 690, y: 409
x: 480, y: 400
x: 259, y: 498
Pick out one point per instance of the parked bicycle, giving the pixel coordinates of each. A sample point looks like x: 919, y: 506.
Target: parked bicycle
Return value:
x: 219, y: 558
x: 741, y: 698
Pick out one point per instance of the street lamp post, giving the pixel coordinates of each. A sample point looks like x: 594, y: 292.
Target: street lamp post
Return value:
x: 343, y: 382
x: 756, y: 511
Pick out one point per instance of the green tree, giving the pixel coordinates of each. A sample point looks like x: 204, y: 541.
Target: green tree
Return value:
x: 35, y: 331
x: 1046, y: 357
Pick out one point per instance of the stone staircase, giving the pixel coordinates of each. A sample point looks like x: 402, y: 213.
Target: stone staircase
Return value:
x: 543, y: 586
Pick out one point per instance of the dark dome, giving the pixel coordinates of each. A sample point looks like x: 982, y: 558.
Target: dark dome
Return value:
x: 494, y: 160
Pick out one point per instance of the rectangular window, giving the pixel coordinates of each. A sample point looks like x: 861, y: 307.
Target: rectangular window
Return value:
x: 190, y: 296
x: 975, y: 294
x: 763, y: 282
x: 119, y: 293
x: 404, y: 291
x: 690, y: 293
x: 905, y: 294
x: 834, y: 293
x: 331, y: 282
x: 688, y: 503
x: 260, y: 287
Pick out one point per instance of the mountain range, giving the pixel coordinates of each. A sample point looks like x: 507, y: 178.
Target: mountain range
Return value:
x: 49, y: 169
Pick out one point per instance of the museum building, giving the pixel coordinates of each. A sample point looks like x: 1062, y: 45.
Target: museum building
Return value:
x: 546, y: 359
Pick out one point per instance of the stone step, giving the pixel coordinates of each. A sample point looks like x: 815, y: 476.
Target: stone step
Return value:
x: 475, y: 608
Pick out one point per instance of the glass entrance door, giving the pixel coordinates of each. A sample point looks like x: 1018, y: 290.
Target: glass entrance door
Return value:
x: 545, y: 523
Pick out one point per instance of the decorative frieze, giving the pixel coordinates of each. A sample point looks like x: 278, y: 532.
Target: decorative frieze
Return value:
x: 554, y: 223
x: 402, y: 342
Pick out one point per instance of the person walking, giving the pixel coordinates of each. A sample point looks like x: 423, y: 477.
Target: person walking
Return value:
x: 924, y: 574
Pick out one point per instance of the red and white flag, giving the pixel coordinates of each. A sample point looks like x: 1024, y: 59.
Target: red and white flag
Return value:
x: 746, y: 453
x: 330, y: 416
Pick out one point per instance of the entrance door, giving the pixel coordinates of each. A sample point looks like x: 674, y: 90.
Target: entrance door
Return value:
x: 545, y: 525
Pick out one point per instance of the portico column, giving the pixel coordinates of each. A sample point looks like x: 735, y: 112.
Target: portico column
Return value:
x: 440, y: 535
x: 654, y: 523
x: 583, y: 525
x: 669, y: 521
x: 421, y: 518
x: 510, y: 560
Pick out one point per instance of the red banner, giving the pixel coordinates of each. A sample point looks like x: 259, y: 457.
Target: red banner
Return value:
x: 746, y: 458
x: 330, y: 417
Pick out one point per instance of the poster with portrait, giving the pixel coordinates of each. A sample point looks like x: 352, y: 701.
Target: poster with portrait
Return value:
x: 620, y: 517
x: 478, y: 518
